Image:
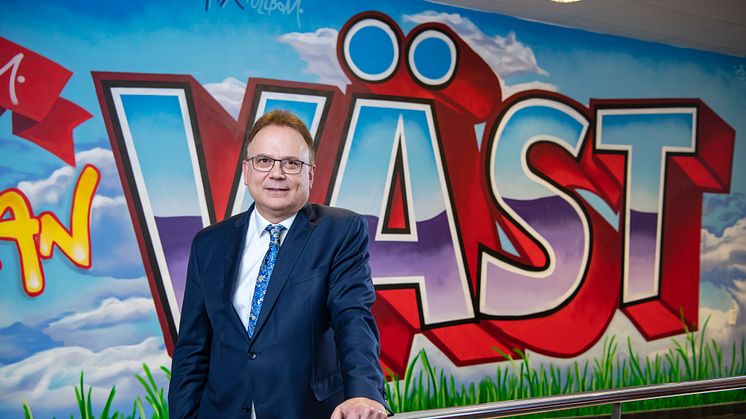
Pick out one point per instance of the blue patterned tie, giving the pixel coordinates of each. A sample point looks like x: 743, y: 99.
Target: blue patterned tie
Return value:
x: 265, y: 273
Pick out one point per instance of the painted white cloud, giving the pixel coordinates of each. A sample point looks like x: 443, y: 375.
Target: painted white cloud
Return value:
x: 50, y: 190
x: 505, y: 55
x: 229, y: 93
x: 100, y: 201
x: 114, y: 247
x: 59, y: 186
x: 96, y: 290
x: 113, y: 322
x: 46, y: 380
x: 739, y: 292
x: 110, y: 312
x: 319, y: 51
x: 726, y: 251
x: 533, y: 85
x: 723, y: 263
x: 721, y: 325
x: 720, y: 211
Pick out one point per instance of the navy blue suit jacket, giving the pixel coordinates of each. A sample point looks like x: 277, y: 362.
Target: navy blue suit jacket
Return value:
x: 315, y: 344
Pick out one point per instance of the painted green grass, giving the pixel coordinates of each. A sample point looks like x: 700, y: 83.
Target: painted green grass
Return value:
x: 696, y: 358
x: 425, y: 387
x: 155, y: 399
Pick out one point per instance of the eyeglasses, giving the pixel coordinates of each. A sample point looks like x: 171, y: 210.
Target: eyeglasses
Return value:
x: 288, y: 166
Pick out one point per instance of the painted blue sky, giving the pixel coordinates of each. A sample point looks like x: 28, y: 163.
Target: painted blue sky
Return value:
x: 535, y: 122
x: 159, y: 135
x: 646, y: 138
x: 370, y: 153
x: 105, y: 316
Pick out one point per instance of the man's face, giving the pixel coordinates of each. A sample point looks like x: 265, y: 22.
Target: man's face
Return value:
x: 278, y: 195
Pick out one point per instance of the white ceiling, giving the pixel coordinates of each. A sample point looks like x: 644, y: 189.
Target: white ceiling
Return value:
x: 709, y: 25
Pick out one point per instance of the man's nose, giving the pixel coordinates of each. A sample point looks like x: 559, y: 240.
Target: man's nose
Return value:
x: 276, y: 171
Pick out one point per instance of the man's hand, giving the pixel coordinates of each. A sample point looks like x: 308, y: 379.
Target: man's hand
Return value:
x: 359, y: 408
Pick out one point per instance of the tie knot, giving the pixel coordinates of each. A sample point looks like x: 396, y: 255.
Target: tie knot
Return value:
x: 274, y: 231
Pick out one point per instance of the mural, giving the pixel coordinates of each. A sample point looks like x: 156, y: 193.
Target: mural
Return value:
x: 532, y: 192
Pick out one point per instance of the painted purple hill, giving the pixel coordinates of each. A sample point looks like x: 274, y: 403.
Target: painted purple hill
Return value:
x: 176, y: 237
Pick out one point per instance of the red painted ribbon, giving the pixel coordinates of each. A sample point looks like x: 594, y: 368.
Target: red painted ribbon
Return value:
x: 30, y: 85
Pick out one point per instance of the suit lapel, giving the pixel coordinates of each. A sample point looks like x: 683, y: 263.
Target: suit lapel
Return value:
x: 290, y: 250
x: 234, y: 243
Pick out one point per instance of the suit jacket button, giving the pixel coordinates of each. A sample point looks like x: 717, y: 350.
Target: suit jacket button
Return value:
x: 246, y: 410
x: 252, y: 355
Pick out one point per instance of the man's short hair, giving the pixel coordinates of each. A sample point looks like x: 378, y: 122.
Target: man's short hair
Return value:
x: 282, y: 118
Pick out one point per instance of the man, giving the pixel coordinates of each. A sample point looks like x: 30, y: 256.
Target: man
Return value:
x: 276, y: 319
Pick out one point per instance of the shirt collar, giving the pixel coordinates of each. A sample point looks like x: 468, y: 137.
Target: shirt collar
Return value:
x: 261, y: 223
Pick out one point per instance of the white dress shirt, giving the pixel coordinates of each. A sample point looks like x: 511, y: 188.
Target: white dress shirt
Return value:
x: 255, y: 247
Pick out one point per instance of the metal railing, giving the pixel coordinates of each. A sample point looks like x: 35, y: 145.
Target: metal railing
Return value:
x: 571, y: 401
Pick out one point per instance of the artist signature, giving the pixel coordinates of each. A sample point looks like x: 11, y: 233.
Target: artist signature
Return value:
x: 267, y: 7
x: 13, y: 66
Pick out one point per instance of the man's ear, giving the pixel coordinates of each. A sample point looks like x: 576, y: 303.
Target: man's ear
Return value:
x: 245, y: 168
x: 311, y: 172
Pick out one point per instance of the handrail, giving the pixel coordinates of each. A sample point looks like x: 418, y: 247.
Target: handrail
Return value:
x: 570, y: 401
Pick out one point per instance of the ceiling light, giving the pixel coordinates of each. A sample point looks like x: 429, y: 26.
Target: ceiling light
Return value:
x: 564, y: 1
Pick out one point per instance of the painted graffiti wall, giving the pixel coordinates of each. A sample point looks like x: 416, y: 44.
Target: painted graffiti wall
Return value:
x: 532, y: 192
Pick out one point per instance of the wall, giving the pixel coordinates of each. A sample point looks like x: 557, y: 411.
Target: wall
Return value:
x: 531, y: 191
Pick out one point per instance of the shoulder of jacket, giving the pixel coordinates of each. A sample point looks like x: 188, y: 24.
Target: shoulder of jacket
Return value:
x: 325, y: 211
x: 219, y: 228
